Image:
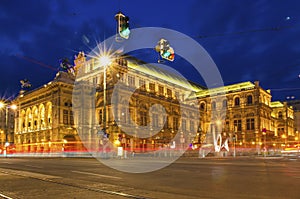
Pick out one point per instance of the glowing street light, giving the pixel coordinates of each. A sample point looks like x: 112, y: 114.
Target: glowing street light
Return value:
x: 6, y: 106
x: 297, y: 139
x: 283, y: 136
x: 105, y: 59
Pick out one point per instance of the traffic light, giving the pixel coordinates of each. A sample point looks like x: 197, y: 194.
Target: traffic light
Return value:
x: 123, y: 25
x: 165, y: 50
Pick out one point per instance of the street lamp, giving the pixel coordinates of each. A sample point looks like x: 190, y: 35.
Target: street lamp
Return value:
x: 104, y: 61
x: 6, y: 106
x: 283, y: 136
x: 297, y: 139
x: 265, y: 146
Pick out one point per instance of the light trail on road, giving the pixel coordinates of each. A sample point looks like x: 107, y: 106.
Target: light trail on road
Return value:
x: 46, y: 178
x: 4, y: 196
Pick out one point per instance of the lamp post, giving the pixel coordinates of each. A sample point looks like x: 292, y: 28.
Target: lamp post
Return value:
x: 104, y: 98
x: 6, y: 106
x: 265, y: 146
x: 104, y: 61
x: 283, y: 136
x: 234, y: 139
x: 297, y: 139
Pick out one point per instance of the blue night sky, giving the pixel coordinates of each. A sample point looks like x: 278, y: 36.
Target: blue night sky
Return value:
x: 248, y: 40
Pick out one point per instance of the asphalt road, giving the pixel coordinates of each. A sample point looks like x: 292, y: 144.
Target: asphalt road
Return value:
x: 186, y: 178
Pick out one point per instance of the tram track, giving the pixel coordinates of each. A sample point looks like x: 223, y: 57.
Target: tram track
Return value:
x: 51, y: 179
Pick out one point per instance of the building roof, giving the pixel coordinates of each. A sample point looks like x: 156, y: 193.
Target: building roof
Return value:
x: 226, y: 89
x: 61, y: 76
x: 168, y: 76
x: 277, y: 104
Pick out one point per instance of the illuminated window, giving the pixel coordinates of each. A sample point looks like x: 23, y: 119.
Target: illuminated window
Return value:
x: 250, y: 124
x: 183, y: 125
x: 123, y: 115
x: 152, y: 87
x: 71, y: 118
x: 143, y: 118
x: 177, y: 94
x: 175, y: 123
x: 131, y: 80
x: 121, y: 76
x: 160, y: 90
x: 95, y: 80
x: 100, y: 116
x: 166, y: 120
x: 224, y: 104
x: 237, y: 101
x: 142, y: 84
x: 280, y: 114
x: 65, y: 116
x: 213, y: 106
x: 155, y: 120
x: 227, y: 126
x: 237, y: 125
x: 202, y: 106
x: 130, y: 116
x: 249, y: 99
x: 169, y: 92
x: 192, y: 128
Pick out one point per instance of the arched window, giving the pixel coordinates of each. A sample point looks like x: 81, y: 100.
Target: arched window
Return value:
x: 42, y: 116
x: 35, y: 115
x: 49, y: 113
x: 213, y: 105
x: 280, y: 114
x: 100, y: 116
x: 224, y: 104
x: 237, y: 101
x: 249, y: 99
x: 202, y: 106
x: 266, y: 100
x: 28, y: 120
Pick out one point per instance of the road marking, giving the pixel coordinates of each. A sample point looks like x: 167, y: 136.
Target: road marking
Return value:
x: 4, y: 196
x: 6, y: 162
x: 99, y: 175
x: 27, y: 174
x: 33, y: 166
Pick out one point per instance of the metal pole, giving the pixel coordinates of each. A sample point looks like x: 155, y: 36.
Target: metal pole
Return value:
x: 6, y: 130
x: 265, y: 146
x: 104, y: 99
x: 297, y: 143
x: 234, y: 148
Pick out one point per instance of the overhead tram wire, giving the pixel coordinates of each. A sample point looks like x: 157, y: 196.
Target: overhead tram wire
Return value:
x: 36, y: 62
x: 257, y: 30
x: 284, y: 89
x: 267, y: 29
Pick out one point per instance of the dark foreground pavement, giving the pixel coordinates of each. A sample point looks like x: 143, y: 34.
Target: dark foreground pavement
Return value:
x: 186, y: 178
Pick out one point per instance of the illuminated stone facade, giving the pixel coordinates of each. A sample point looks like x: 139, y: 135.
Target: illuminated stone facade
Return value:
x: 246, y: 111
x: 141, y: 87
x: 296, y: 107
x: 44, y: 116
x: 153, y: 107
x: 6, y: 132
